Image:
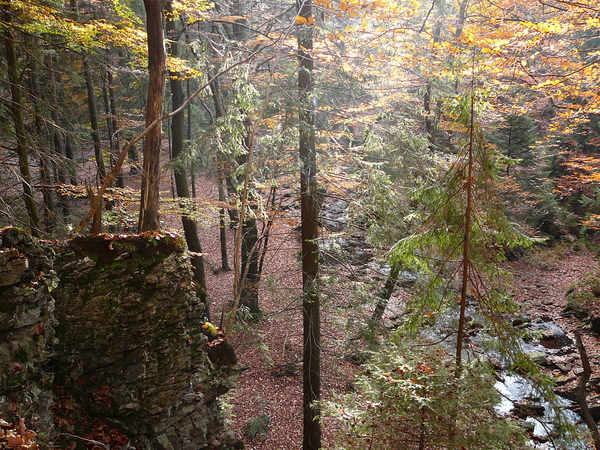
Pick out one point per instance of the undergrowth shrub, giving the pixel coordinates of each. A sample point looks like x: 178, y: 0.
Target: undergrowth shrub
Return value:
x: 258, y: 427
x: 583, y: 295
x: 416, y: 400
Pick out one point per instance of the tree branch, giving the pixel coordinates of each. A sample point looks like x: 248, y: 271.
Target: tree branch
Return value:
x: 119, y: 163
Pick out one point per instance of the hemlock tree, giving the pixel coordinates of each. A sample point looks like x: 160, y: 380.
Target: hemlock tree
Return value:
x: 311, y: 372
x: 410, y: 398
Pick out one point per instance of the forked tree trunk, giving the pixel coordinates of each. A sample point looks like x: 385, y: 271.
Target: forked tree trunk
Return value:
x: 311, y: 372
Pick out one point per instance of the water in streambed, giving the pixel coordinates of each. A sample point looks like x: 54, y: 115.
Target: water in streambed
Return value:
x: 545, y: 343
x: 540, y: 414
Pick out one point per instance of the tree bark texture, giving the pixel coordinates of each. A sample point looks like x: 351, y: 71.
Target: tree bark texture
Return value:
x: 157, y: 63
x: 310, y: 232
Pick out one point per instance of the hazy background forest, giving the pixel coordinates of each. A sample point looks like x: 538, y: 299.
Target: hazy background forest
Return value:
x: 434, y: 140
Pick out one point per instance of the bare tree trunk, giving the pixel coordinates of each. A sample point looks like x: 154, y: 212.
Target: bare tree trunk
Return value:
x: 93, y: 110
x: 95, y: 130
x: 157, y: 62
x: 310, y: 232
x: 249, y: 263
x: 249, y: 250
x: 385, y: 294
x: 222, y: 223
x: 113, y: 124
x: 46, y: 163
x: 19, y: 124
x: 224, y: 161
x: 58, y: 139
x: 181, y: 183
x: 189, y: 137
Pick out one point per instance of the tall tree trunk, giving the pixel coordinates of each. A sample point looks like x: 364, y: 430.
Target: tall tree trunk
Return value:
x: 177, y: 145
x: 221, y: 181
x: 19, y: 124
x: 249, y: 250
x: 71, y: 158
x: 57, y: 138
x: 223, y: 175
x: 95, y: 130
x: 466, y: 258
x: 46, y: 163
x: 310, y: 232
x: 189, y: 137
x: 157, y: 63
x: 93, y: 110
x: 249, y: 264
x: 113, y: 124
x: 222, y: 221
x: 225, y: 160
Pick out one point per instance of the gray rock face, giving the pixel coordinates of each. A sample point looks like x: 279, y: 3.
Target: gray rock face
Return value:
x: 131, y: 350
x: 26, y: 327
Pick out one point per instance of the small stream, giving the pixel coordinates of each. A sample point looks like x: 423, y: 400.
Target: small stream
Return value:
x: 520, y: 397
x: 516, y: 390
x: 545, y: 343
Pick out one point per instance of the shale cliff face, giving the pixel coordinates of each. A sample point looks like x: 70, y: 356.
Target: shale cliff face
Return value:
x: 130, y: 346
x: 27, y: 321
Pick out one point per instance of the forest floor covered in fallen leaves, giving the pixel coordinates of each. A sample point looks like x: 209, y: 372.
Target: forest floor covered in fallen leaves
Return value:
x: 269, y: 390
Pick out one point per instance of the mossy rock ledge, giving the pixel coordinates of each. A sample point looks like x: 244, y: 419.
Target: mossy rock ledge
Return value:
x: 129, y: 348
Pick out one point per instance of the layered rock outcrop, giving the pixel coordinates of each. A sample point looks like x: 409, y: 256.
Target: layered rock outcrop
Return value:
x: 129, y: 342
